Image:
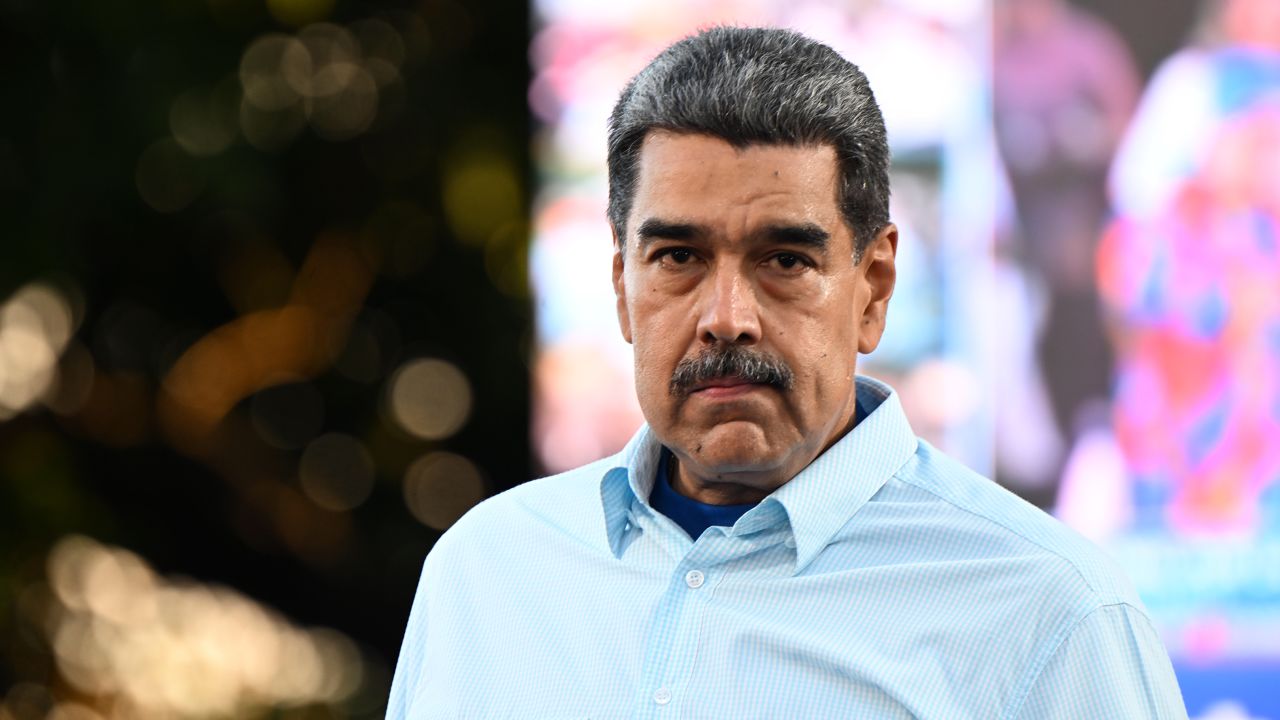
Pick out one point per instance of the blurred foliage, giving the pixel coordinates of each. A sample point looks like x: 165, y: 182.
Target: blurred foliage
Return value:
x: 136, y: 179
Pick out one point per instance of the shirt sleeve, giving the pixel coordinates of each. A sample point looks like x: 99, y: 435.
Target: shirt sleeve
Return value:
x: 404, y: 684
x: 1111, y: 665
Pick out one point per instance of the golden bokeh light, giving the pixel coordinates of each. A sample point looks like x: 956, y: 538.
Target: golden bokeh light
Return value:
x: 203, y: 120
x: 41, y: 308
x: 345, y: 103
x: 440, y: 487
x: 26, y: 368
x: 429, y: 398
x: 327, y: 44
x: 36, y: 325
x: 66, y: 570
x: 482, y: 193
x: 118, y: 587
x: 130, y: 638
x: 271, y: 71
x: 326, y: 75
x: 336, y: 472
x: 262, y: 348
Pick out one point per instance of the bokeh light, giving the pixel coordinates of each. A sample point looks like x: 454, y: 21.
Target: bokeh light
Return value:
x: 36, y: 325
x: 179, y: 648
x: 440, y: 487
x: 429, y: 398
x: 327, y: 75
x: 336, y: 472
x: 256, y: 350
x: 272, y: 69
x: 345, y: 101
x: 482, y: 193
x: 203, y: 120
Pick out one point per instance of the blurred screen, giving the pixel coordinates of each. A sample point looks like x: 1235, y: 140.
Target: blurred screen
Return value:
x: 1088, y: 307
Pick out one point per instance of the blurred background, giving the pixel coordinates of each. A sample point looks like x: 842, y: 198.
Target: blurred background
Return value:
x: 288, y: 285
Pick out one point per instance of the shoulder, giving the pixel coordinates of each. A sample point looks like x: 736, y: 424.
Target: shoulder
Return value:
x: 565, y: 503
x: 989, y: 522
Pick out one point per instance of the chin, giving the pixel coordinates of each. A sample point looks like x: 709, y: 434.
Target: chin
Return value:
x: 735, y: 447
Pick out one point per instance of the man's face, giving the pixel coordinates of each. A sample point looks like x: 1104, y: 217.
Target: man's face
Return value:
x: 745, y: 252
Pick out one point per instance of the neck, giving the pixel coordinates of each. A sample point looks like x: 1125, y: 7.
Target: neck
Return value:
x: 716, y: 491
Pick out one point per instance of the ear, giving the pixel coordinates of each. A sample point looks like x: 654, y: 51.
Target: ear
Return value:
x: 878, y: 272
x: 620, y: 287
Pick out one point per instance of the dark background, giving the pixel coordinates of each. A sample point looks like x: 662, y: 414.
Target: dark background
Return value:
x: 85, y: 88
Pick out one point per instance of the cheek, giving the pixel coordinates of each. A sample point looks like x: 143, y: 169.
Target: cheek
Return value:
x: 659, y: 319
x: 824, y: 347
x: 657, y: 345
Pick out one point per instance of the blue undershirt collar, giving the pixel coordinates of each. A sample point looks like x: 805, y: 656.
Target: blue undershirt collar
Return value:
x: 693, y: 516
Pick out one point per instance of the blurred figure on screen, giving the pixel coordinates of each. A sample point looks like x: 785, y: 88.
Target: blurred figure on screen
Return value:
x: 1064, y: 88
x: 1190, y: 274
x: 1233, y: 65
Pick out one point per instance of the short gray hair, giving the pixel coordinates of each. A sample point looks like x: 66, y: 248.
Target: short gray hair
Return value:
x: 757, y: 86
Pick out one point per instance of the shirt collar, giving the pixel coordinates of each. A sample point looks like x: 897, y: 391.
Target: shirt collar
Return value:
x: 816, y: 503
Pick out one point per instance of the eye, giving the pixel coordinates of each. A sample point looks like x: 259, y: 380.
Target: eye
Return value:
x: 674, y: 256
x: 789, y: 262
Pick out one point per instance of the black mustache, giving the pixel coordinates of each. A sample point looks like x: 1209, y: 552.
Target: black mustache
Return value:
x: 735, y: 361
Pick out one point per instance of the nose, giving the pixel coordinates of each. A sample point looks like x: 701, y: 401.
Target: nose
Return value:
x: 729, y: 311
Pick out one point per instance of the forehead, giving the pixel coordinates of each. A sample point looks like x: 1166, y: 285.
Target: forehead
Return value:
x: 697, y: 177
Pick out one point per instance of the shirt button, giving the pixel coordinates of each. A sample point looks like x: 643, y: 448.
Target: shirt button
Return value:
x: 789, y: 542
x: 694, y: 579
x: 662, y: 696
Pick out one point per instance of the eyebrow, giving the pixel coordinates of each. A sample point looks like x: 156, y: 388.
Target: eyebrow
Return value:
x: 656, y: 229
x: 805, y: 234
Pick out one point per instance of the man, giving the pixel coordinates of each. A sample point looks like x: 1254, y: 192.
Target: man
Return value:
x: 775, y: 542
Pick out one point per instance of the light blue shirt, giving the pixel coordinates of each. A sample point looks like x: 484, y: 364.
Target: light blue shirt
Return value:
x: 883, y: 581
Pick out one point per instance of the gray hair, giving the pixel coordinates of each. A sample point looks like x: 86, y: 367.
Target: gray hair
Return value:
x: 757, y: 86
